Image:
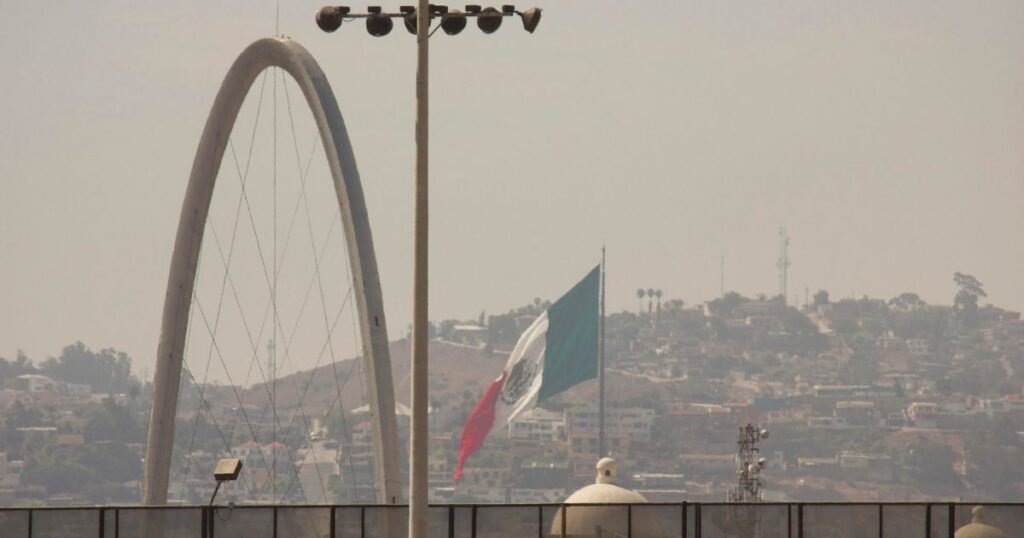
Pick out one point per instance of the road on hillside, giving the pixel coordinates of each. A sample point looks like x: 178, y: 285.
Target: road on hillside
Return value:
x: 317, y: 457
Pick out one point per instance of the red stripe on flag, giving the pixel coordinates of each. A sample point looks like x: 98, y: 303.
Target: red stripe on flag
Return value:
x: 479, y: 424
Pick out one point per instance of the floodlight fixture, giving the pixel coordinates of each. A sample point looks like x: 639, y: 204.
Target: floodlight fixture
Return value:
x: 453, y: 22
x: 227, y: 470
x: 473, y: 9
x: 531, y: 18
x: 764, y: 434
x: 329, y: 18
x: 489, y: 20
x: 378, y: 25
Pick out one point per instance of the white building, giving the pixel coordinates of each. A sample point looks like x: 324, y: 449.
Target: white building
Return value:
x: 35, y: 383
x: 633, y: 422
x: 538, y: 425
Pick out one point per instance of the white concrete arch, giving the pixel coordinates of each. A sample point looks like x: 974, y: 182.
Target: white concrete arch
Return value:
x: 296, y: 60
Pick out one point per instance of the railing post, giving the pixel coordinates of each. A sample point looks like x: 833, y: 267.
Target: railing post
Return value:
x: 29, y: 523
x: 696, y: 520
x: 928, y: 520
x: 103, y: 520
x: 800, y: 520
x: 565, y: 516
x: 540, y: 521
x: 951, y: 520
x: 881, y: 519
x: 472, y: 532
x: 629, y: 521
x: 789, y: 520
x: 117, y: 523
x: 683, y: 521
x: 451, y: 521
x: 334, y: 521
x: 362, y: 521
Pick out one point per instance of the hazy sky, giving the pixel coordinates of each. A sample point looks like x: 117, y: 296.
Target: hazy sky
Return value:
x: 888, y: 137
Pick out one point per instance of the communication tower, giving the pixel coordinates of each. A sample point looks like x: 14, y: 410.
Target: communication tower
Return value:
x: 744, y: 520
x: 750, y: 463
x: 783, y: 263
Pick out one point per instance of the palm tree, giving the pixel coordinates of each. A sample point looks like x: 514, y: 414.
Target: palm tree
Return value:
x: 650, y: 301
x: 657, y: 319
x: 640, y: 300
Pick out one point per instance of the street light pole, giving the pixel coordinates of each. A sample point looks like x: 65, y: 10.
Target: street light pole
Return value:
x: 378, y: 23
x: 418, y: 491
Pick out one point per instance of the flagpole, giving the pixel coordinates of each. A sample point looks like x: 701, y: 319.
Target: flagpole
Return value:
x: 600, y: 366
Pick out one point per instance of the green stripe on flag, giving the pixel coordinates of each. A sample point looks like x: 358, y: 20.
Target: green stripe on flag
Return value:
x: 570, y: 354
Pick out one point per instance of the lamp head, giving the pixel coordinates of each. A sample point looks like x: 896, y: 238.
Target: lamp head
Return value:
x: 227, y: 469
x: 378, y: 25
x: 531, y: 18
x: 489, y: 20
x: 453, y: 22
x: 329, y: 18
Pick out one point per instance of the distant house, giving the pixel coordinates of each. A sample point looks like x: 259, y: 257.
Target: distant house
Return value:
x: 867, y: 466
x: 471, y: 334
x: 918, y: 346
x: 827, y: 423
x: 539, y: 425
x: 847, y: 392
x: 857, y: 413
x: 35, y: 383
x: 632, y: 422
x: 708, y: 462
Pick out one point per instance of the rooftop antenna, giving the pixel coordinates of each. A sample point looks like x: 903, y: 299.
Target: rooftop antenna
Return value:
x: 783, y: 263
x: 721, y: 269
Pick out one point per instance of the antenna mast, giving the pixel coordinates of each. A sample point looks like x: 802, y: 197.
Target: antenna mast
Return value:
x: 721, y: 270
x: 783, y: 263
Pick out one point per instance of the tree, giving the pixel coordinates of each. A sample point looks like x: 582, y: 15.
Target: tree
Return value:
x: 107, y: 370
x: 821, y: 298
x: 640, y: 300
x: 907, y: 302
x: 724, y: 305
x: 965, y: 304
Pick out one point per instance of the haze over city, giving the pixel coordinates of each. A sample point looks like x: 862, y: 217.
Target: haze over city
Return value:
x: 695, y: 269
x: 885, y: 137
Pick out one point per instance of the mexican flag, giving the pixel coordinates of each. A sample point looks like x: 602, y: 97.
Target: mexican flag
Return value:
x: 556, y: 352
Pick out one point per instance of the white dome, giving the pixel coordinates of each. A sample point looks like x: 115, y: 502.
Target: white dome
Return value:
x: 977, y: 528
x: 595, y: 520
x: 605, y: 494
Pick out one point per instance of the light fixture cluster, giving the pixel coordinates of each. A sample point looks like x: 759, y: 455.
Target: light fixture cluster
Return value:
x: 453, y: 21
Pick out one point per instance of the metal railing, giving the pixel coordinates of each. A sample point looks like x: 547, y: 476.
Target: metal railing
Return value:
x: 654, y: 520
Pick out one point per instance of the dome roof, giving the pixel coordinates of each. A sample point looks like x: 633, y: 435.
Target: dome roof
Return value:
x: 605, y: 488
x: 606, y: 494
x: 977, y: 528
x: 595, y: 520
